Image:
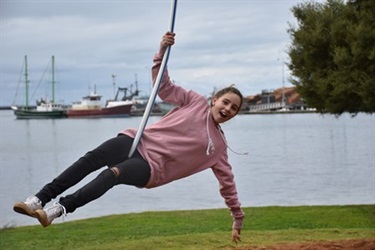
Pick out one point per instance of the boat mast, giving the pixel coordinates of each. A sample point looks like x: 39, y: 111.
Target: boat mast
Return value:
x: 53, y: 79
x: 26, y: 84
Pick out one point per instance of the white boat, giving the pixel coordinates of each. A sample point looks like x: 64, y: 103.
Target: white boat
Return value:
x: 91, y: 106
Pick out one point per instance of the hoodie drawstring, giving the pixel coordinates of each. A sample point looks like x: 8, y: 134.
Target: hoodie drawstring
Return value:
x: 211, y: 145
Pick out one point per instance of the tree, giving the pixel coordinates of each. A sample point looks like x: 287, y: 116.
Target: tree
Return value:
x: 332, y: 55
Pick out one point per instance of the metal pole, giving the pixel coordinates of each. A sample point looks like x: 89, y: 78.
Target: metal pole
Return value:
x: 155, y: 89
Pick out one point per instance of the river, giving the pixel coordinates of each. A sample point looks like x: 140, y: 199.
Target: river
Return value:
x: 293, y: 159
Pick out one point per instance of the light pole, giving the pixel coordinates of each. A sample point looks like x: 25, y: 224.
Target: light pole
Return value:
x: 114, y: 84
x: 283, y: 82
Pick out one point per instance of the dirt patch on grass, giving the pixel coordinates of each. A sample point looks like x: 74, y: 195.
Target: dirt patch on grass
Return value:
x: 361, y: 244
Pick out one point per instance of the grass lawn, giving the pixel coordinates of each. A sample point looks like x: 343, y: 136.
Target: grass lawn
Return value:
x: 198, y: 229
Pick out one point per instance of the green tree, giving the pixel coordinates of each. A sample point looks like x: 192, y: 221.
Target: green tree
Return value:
x: 332, y: 55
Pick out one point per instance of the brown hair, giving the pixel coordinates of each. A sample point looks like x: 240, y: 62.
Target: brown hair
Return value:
x: 230, y: 89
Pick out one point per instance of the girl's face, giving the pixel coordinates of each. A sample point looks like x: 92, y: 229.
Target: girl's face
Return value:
x: 225, y: 107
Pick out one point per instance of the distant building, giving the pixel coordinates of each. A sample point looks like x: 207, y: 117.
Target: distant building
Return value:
x: 272, y: 100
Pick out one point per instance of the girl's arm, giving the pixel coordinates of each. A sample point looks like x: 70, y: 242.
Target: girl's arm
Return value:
x: 228, y: 191
x: 168, y: 91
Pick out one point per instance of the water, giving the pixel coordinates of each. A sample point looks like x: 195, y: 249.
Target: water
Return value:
x: 293, y: 159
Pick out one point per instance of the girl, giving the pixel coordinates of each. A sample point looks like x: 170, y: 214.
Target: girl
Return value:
x: 185, y: 141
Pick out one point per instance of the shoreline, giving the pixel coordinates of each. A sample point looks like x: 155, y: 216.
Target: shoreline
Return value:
x: 6, y: 108
x: 277, y: 112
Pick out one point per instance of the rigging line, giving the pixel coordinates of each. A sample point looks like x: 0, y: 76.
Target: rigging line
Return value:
x: 18, y: 84
x: 155, y: 89
x: 41, y: 79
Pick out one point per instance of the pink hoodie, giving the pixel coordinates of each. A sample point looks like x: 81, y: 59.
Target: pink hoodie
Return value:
x: 186, y: 141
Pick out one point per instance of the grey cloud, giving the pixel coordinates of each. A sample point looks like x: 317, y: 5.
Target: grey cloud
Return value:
x: 217, y: 42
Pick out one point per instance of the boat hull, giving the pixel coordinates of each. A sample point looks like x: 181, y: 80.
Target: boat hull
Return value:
x: 118, y: 111
x: 34, y: 114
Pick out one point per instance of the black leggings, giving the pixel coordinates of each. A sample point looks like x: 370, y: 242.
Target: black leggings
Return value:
x: 112, y: 153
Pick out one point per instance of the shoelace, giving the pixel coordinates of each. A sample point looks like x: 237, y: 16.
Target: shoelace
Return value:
x: 33, y: 202
x: 63, y: 214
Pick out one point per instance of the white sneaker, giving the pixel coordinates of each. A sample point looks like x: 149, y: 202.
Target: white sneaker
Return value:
x: 46, y: 216
x: 28, y: 207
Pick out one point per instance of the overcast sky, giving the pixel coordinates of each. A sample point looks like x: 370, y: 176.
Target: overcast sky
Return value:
x: 218, y: 42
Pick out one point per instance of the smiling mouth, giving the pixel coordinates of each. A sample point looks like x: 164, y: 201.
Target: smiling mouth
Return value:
x: 223, y: 114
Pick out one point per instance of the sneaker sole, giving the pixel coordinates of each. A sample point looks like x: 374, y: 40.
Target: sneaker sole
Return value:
x: 42, y: 217
x: 22, y: 208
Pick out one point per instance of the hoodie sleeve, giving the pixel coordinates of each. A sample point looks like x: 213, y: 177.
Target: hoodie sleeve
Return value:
x: 168, y: 91
x: 228, y: 191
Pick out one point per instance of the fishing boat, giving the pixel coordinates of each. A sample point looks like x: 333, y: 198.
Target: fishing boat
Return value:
x: 91, y: 107
x: 44, y: 108
x: 165, y: 107
x: 132, y: 96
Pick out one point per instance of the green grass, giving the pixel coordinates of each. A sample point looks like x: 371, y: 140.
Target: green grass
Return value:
x: 198, y: 229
